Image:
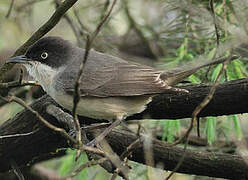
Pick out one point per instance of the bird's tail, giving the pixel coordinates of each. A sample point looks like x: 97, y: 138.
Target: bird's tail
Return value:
x: 176, y: 75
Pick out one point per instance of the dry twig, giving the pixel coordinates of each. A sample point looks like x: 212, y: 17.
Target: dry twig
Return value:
x: 76, y: 97
x: 83, y: 166
x: 73, y: 26
x: 18, y: 135
x: 10, y: 8
x: 135, y: 26
x: 211, y: 5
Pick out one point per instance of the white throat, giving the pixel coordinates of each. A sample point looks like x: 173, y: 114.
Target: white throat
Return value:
x: 42, y: 73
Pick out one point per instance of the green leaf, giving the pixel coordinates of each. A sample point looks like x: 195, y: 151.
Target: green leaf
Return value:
x: 237, y: 127
x: 67, y: 163
x: 238, y: 67
x: 216, y: 72
x: 194, y: 79
x: 170, y: 128
x: 84, y: 173
x: 211, y: 129
x: 211, y: 54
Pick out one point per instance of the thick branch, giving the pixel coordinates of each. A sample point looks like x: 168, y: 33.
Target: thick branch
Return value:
x: 42, y: 142
x: 195, y: 162
x: 229, y: 98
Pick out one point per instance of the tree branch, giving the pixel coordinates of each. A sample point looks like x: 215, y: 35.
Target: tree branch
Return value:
x: 229, y: 98
x: 44, y: 143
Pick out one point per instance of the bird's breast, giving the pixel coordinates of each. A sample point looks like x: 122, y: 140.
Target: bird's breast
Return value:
x: 109, y: 108
x: 43, y: 74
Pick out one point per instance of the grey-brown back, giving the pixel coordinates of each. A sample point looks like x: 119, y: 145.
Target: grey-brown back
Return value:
x: 107, y: 76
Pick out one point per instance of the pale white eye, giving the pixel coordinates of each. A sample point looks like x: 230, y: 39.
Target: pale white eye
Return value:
x: 44, y: 55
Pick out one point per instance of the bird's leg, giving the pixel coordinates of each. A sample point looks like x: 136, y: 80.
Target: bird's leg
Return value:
x: 101, y: 136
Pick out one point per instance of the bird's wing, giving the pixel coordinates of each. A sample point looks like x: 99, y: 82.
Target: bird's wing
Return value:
x: 106, y: 76
x: 123, y: 79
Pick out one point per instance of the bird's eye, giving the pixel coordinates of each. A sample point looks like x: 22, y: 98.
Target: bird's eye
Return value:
x: 44, y: 55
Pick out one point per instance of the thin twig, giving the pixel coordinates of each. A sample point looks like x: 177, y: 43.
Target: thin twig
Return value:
x: 104, y: 19
x: 84, y: 29
x: 73, y: 26
x: 198, y: 126
x: 211, y: 5
x: 46, y: 123
x: 92, y: 150
x: 51, y: 126
x: 197, y: 110
x: 136, y: 28
x: 115, y: 159
x: 130, y: 148
x: 16, y: 170
x: 76, y: 97
x: 105, y: 8
x: 96, y: 126
x: 124, y: 156
x: 85, y: 165
x: 10, y: 8
x: 55, y: 18
x: 19, y: 135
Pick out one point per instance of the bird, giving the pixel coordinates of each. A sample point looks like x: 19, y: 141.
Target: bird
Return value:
x: 110, y: 88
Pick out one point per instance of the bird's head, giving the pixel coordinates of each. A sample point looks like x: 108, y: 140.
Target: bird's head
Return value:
x: 49, y: 51
x: 45, y: 58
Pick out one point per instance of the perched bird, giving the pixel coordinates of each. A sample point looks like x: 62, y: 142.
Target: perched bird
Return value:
x: 110, y: 88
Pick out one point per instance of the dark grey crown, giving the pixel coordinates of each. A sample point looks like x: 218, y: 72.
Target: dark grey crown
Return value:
x: 57, y: 49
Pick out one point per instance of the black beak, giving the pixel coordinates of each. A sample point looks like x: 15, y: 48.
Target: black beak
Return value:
x: 18, y: 59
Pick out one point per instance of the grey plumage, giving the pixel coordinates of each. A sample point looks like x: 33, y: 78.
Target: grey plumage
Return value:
x: 108, y: 76
x: 110, y: 87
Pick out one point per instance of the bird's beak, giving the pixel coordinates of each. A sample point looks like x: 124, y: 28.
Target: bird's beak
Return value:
x: 18, y: 59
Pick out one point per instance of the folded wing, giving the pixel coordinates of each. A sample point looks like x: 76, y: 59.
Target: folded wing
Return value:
x: 106, y: 76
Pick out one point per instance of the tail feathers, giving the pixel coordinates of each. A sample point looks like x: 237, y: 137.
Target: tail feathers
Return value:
x: 176, y: 75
